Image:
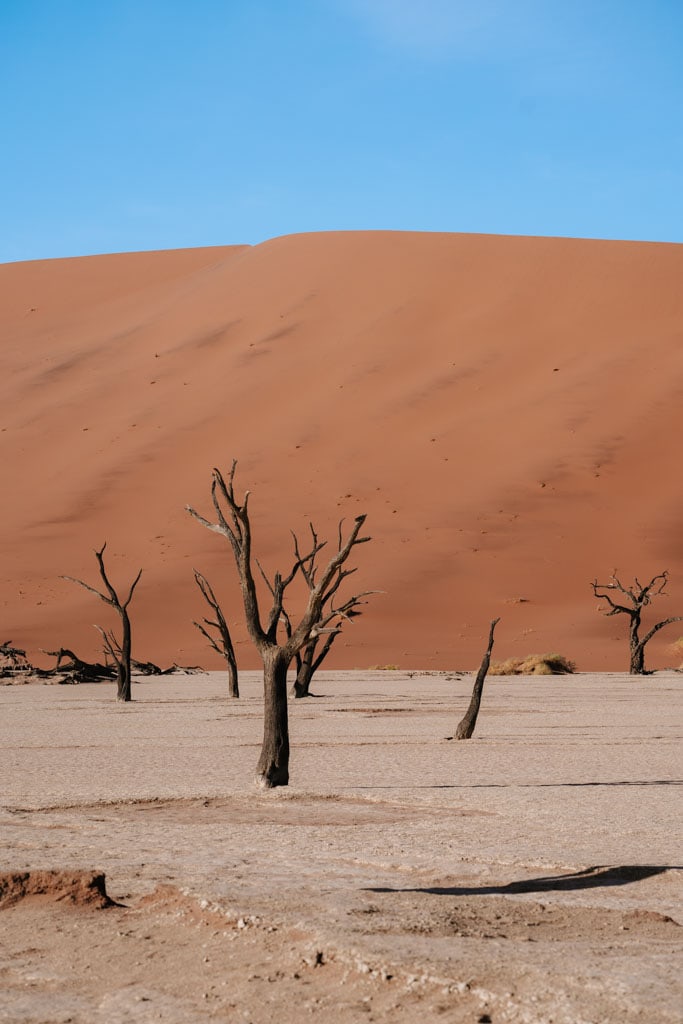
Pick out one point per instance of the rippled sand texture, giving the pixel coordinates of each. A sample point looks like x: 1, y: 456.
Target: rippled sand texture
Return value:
x: 530, y: 874
x: 508, y: 411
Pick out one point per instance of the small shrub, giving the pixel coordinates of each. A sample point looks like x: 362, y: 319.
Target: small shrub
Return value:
x: 533, y: 665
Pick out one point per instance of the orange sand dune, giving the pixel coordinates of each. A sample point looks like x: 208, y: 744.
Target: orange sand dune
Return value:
x: 508, y: 411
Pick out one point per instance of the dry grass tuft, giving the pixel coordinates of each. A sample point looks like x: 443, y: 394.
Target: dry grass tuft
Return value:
x: 677, y: 648
x: 533, y: 665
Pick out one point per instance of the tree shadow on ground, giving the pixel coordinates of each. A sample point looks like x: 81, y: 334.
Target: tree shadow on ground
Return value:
x: 589, y: 878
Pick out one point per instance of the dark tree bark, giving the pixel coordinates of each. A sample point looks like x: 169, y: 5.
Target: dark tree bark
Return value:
x: 75, y: 670
x: 307, y: 664
x: 332, y: 618
x: 466, y: 726
x: 119, y: 652
x: 309, y: 660
x: 223, y: 643
x: 633, y: 600
x: 13, y: 660
x: 78, y: 671
x: 273, y: 764
x: 233, y: 524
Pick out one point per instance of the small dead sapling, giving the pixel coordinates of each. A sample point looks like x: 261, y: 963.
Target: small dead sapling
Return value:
x: 119, y: 651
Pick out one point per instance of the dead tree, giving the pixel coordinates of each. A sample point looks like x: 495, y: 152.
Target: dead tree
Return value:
x: 223, y: 642
x: 120, y: 652
x: 318, y: 646
x: 13, y: 660
x: 466, y: 727
x: 633, y: 600
x: 75, y: 670
x: 233, y: 524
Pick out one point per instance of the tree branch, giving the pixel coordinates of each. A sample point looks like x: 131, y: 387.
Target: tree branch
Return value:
x: 321, y: 591
x: 239, y: 536
x: 660, y: 625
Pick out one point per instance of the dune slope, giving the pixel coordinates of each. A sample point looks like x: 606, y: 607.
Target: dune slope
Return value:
x: 508, y: 412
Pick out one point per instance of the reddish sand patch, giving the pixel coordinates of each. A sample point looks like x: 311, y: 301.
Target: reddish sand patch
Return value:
x: 72, y: 888
x: 506, y: 410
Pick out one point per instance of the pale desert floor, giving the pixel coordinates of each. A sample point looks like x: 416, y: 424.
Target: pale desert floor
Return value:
x: 531, y: 874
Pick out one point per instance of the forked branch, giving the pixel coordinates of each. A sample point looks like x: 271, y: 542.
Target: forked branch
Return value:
x: 122, y: 659
x: 232, y: 521
x: 222, y: 643
x: 233, y: 524
x: 637, y: 597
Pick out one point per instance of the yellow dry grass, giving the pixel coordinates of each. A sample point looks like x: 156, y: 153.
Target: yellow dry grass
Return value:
x: 533, y: 665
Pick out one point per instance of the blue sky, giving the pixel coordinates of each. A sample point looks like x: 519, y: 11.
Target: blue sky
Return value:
x: 152, y: 124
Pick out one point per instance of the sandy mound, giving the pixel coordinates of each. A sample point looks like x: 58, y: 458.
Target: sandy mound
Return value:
x: 506, y: 410
x: 72, y: 888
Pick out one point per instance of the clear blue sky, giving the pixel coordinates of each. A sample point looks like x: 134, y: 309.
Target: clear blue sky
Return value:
x: 149, y: 124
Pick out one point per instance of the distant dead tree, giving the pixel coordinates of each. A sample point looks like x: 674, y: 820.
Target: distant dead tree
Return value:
x: 233, y: 524
x: 120, y: 652
x: 74, y: 670
x: 69, y: 668
x: 318, y: 646
x: 466, y: 726
x: 222, y: 643
x: 633, y: 600
x: 13, y: 660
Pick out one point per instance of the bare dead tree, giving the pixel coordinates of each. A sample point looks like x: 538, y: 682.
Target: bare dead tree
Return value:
x: 466, y: 726
x: 631, y: 603
x: 69, y: 667
x: 318, y: 646
x: 233, y: 524
x: 13, y: 660
x: 75, y: 670
x: 222, y: 643
x: 120, y: 653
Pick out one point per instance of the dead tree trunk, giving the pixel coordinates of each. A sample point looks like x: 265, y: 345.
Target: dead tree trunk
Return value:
x: 305, y: 667
x: 636, y: 598
x: 636, y: 647
x: 233, y: 524
x: 308, y: 663
x: 273, y: 764
x: 223, y: 644
x: 120, y: 653
x: 466, y: 727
